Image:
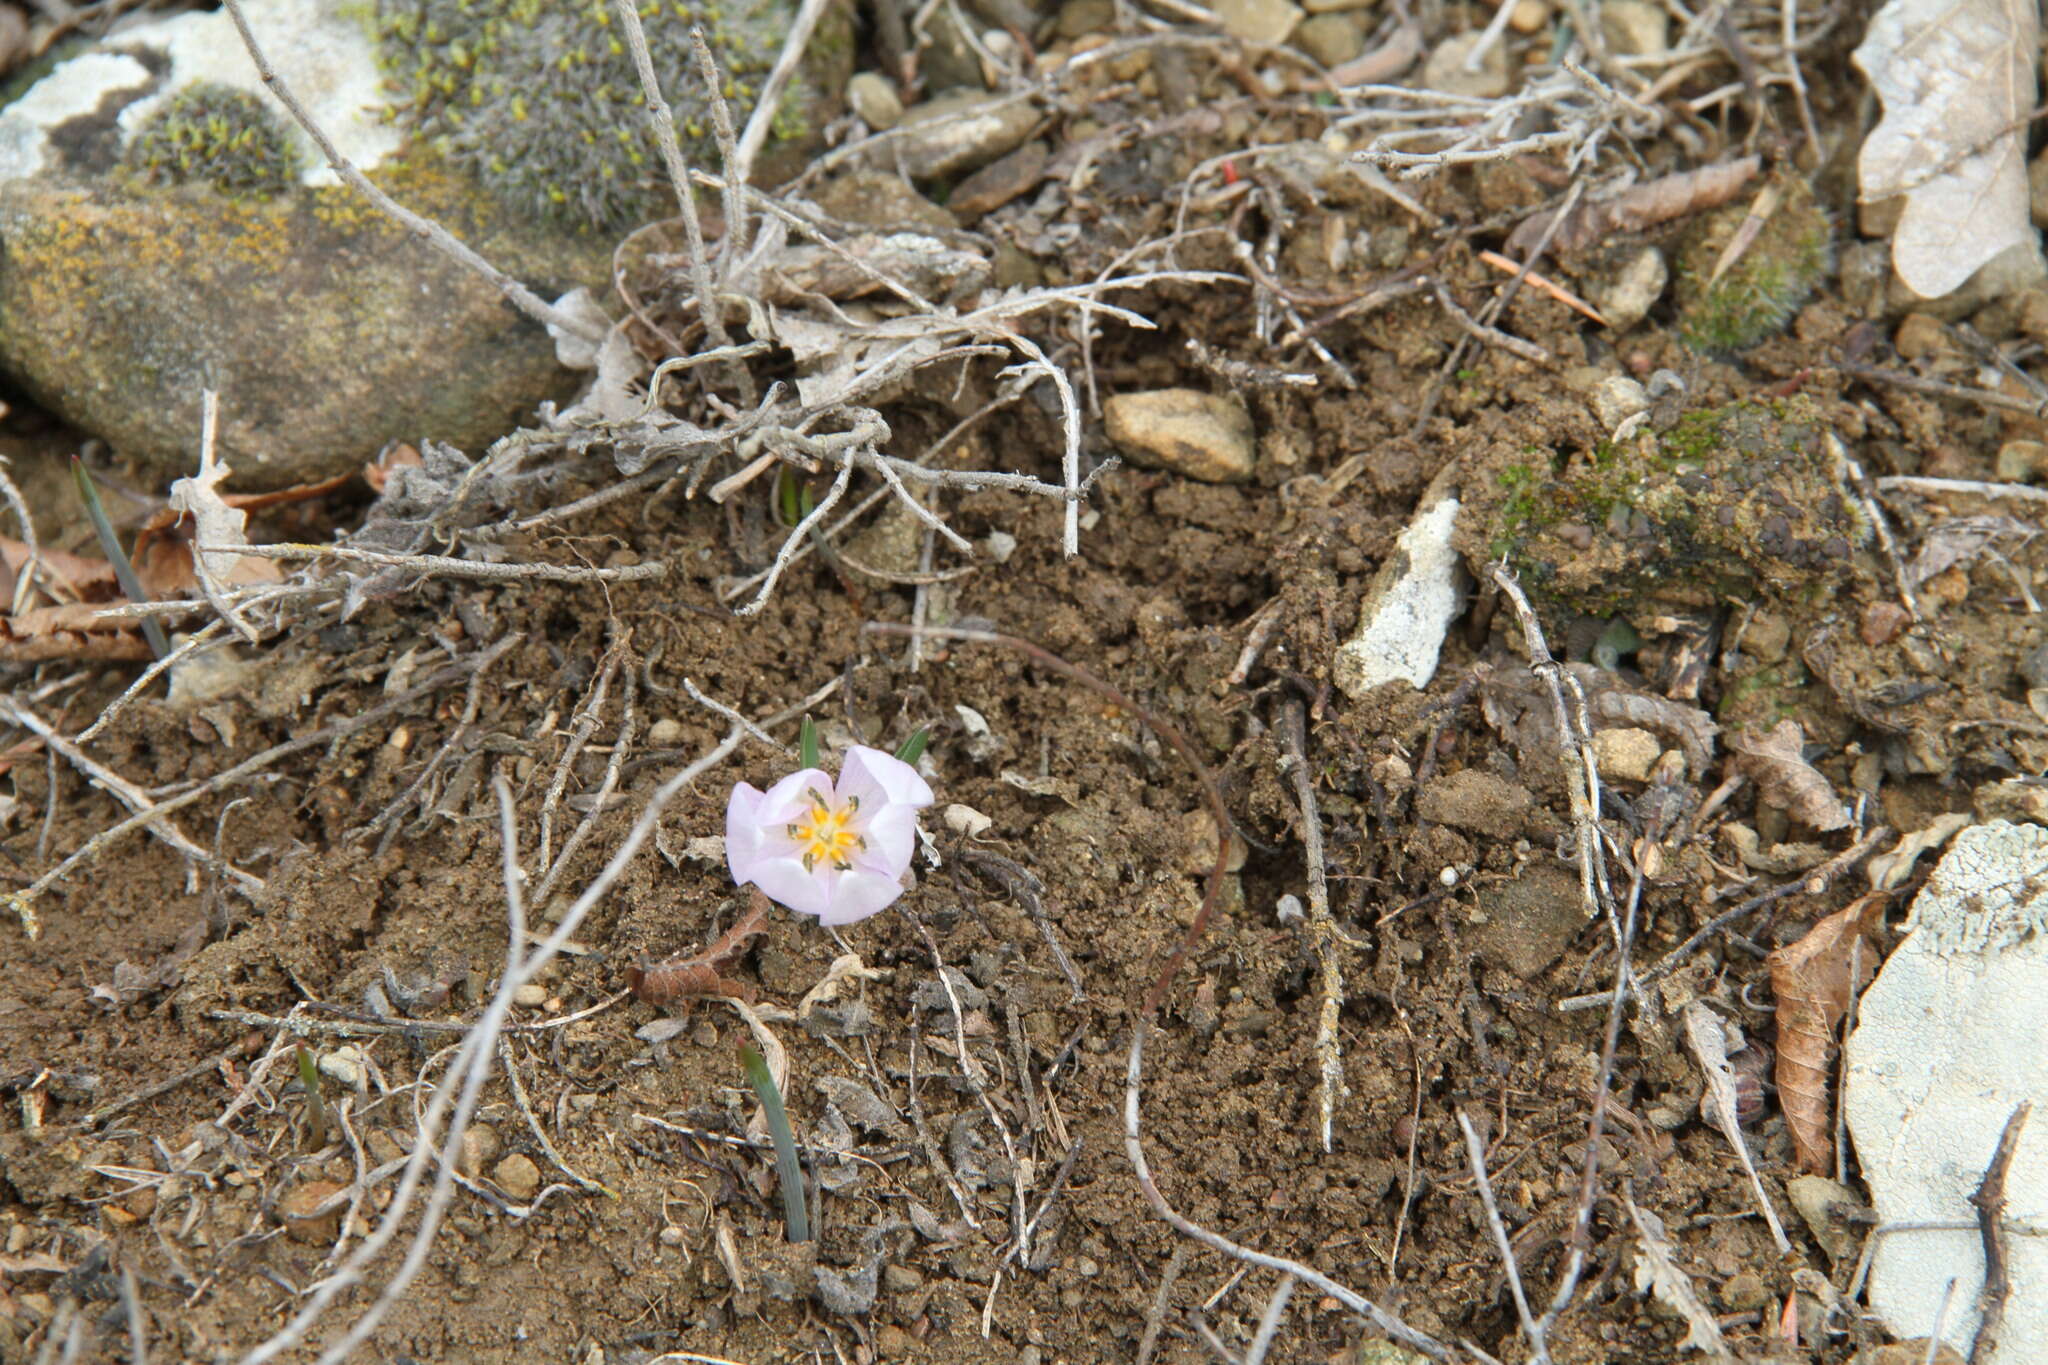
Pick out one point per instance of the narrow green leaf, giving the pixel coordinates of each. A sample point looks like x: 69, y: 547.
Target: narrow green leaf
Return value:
x: 110, y: 546
x: 316, y: 1103
x: 807, y: 744
x: 796, y: 1217
x: 786, y: 495
x: 913, y: 748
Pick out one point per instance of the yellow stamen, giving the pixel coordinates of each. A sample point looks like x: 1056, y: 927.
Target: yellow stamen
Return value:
x: 824, y: 835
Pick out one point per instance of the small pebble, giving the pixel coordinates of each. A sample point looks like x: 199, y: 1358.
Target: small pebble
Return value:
x: 529, y: 995
x: 1528, y: 16
x: 479, y: 1145
x: 1919, y: 336
x: 1635, y: 28
x: 1882, y: 622
x: 1201, y: 435
x: 1258, y: 21
x: 1331, y: 39
x: 297, y: 1210
x: 1626, y: 755
x: 875, y: 100
x: 665, y: 733
x: 1445, y: 69
x: 1745, y: 1293
x: 517, y: 1176
x: 2023, y: 461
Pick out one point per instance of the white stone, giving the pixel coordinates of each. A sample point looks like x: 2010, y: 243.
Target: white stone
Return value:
x: 1950, y: 1038
x: 1618, y: 398
x: 1411, y: 606
x: 318, y: 49
x: 73, y: 89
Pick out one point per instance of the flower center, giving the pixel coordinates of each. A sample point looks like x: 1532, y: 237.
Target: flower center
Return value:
x: 823, y: 835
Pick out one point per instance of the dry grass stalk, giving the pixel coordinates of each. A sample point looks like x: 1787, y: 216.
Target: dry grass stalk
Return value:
x: 1322, y: 929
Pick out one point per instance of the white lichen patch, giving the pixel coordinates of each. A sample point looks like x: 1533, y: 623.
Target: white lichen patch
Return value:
x: 1949, y: 1040
x: 326, y: 59
x: 75, y: 89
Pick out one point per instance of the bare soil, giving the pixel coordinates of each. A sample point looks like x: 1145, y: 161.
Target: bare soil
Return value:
x: 1446, y: 839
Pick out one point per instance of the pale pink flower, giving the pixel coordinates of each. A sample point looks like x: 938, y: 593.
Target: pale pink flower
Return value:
x: 837, y: 850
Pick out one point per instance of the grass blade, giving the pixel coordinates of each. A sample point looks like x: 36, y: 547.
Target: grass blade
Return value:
x: 110, y: 546
x: 796, y: 1218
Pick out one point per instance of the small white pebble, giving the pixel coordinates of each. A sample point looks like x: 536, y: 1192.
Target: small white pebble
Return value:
x: 529, y: 995
x: 1288, y: 909
x: 1449, y: 876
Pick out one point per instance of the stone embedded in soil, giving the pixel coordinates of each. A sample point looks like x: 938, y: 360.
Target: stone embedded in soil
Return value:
x: 1829, y: 1209
x: 961, y: 130
x: 1331, y: 39
x: 1474, y: 801
x: 1949, y: 1039
x: 874, y: 99
x: 517, y: 1176
x: 2022, y: 461
x: 1626, y: 755
x: 1408, y: 610
x: 997, y: 183
x: 1203, y: 436
x: 1531, y: 918
x: 1626, y: 286
x: 1617, y: 398
x: 1445, y: 68
x: 1635, y: 28
x: 1741, y: 502
x: 299, y: 1211
x: 1258, y: 21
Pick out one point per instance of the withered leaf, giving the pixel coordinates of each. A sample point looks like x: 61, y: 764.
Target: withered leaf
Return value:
x: 1814, y: 980
x: 1776, y: 762
x: 1957, y: 81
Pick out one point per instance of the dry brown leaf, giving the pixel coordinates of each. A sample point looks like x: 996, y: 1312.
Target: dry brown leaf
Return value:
x: 89, y: 579
x: 69, y: 630
x: 1957, y: 81
x: 1814, y: 980
x: 1776, y: 762
x: 1658, y: 201
x: 701, y: 974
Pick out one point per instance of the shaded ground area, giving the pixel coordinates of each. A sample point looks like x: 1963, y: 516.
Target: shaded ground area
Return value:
x: 960, y: 1084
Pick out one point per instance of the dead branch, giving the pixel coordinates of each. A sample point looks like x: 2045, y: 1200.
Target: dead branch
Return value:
x: 1322, y: 930
x: 1989, y: 1201
x: 1475, y: 1155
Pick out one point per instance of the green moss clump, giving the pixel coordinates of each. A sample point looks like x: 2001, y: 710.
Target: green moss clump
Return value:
x: 540, y: 99
x: 1774, y: 277
x: 219, y: 136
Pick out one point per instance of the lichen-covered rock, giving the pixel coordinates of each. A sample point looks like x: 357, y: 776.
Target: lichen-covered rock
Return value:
x: 1728, y: 503
x: 541, y: 101
x: 326, y: 329
x: 164, y: 229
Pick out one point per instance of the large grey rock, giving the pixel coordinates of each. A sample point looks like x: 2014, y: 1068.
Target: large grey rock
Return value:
x: 325, y: 328
x: 1949, y: 1040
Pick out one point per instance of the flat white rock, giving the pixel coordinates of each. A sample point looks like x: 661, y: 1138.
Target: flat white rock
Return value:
x: 1410, y: 608
x: 321, y: 50
x: 1950, y: 1038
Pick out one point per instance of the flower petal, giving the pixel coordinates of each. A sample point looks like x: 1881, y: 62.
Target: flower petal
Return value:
x: 743, y: 832
x: 786, y: 882
x: 858, y: 894
x: 892, y: 836
x: 878, y: 779
x: 791, y: 797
